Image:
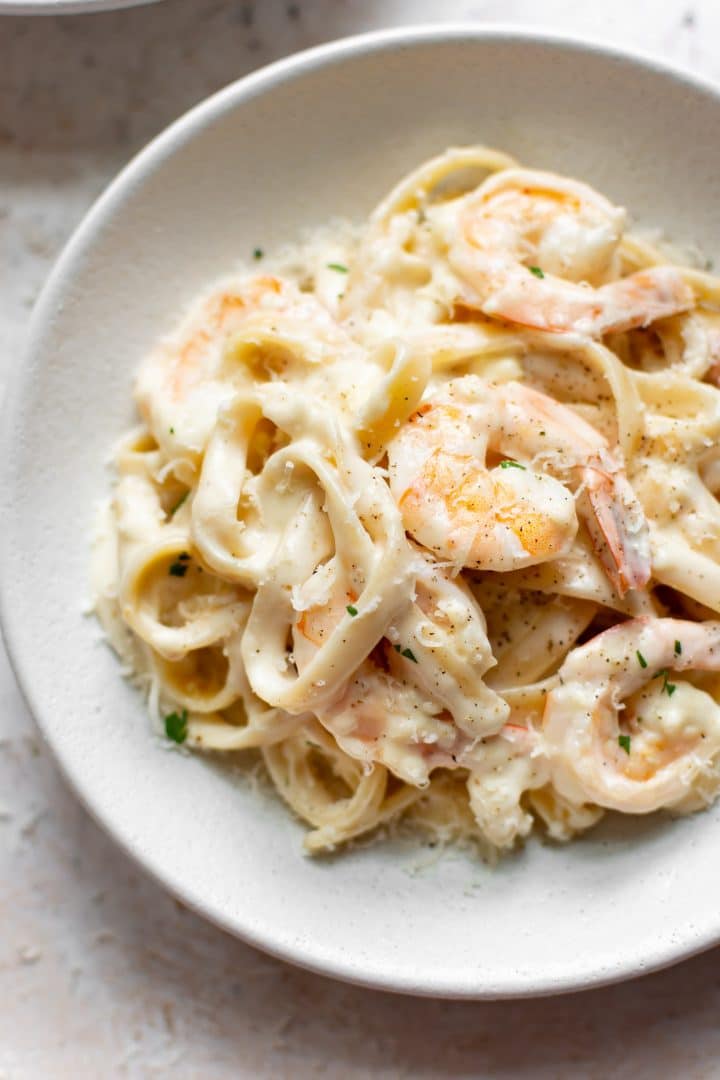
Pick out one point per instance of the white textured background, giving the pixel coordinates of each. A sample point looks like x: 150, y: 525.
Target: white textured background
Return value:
x: 101, y: 973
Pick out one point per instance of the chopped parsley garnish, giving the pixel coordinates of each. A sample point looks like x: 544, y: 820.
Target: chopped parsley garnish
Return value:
x: 351, y: 610
x: 172, y: 430
x: 641, y: 659
x: 178, y: 504
x: 258, y: 253
x: 339, y: 267
x: 176, y: 726
x: 509, y: 464
x: 668, y: 687
x: 624, y: 741
x: 678, y: 648
x: 410, y: 655
x: 536, y: 271
x: 177, y: 568
x: 183, y: 556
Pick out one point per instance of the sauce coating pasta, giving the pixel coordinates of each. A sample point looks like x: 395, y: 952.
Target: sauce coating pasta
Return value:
x: 425, y: 512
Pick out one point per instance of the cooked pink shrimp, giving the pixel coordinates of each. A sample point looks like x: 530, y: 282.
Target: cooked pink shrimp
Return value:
x: 618, y: 731
x: 418, y: 701
x: 537, y: 249
x: 223, y: 313
x: 713, y: 373
x: 510, y: 516
x: 182, y: 383
x: 184, y: 361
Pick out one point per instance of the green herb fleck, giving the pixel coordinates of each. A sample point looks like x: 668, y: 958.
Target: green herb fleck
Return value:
x: 667, y: 687
x: 258, y: 253
x: 536, y: 271
x: 172, y: 430
x: 178, y: 504
x: 508, y: 464
x: 178, y: 569
x: 397, y: 648
x: 409, y: 654
x: 351, y: 610
x: 641, y: 659
x: 678, y: 648
x: 176, y: 726
x: 339, y: 267
x: 624, y: 741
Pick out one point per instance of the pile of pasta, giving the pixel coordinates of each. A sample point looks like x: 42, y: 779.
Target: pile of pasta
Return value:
x: 424, y: 511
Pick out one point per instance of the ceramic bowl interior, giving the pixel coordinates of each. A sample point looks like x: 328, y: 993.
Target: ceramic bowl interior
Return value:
x: 326, y: 134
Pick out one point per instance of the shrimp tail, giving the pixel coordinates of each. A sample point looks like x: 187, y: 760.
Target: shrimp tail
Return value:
x: 640, y: 299
x: 617, y: 527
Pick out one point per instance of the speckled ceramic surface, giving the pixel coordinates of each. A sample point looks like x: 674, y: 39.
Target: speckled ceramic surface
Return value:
x: 322, y: 134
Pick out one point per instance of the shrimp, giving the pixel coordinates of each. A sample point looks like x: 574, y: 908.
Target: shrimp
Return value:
x: 509, y: 777
x: 250, y: 330
x: 537, y: 249
x: 418, y: 701
x: 618, y: 732
x: 511, y: 516
x: 713, y: 346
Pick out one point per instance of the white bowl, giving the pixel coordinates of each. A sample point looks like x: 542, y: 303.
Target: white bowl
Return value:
x: 64, y: 7
x: 326, y: 133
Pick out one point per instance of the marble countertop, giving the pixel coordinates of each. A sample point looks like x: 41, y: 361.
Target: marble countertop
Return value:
x: 102, y: 974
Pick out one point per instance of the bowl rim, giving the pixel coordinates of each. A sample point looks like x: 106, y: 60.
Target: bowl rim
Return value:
x: 66, y: 7
x: 175, y: 135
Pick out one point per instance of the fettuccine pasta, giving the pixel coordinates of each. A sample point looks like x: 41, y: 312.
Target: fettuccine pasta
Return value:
x: 425, y: 512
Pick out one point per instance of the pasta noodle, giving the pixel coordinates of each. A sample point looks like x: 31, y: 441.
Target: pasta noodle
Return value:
x: 425, y: 512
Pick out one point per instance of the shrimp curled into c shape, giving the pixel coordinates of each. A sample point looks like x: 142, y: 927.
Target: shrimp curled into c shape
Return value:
x: 511, y: 516
x: 671, y: 730
x: 521, y: 217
